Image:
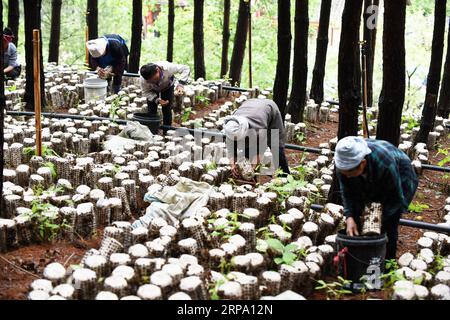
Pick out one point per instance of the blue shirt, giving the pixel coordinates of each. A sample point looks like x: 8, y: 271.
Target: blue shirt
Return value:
x: 10, y: 56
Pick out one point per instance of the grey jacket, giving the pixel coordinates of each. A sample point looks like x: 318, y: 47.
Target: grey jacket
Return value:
x: 10, y: 56
x: 263, y: 114
x: 151, y: 91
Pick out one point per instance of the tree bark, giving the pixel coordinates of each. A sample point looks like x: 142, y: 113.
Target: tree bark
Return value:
x: 225, y: 37
x: 240, y: 39
x: 392, y: 95
x: 55, y: 32
x: 2, y: 116
x: 370, y: 36
x: 444, y: 97
x: 349, y: 79
x: 32, y: 9
x: 284, y: 37
x: 199, y: 45
x: 316, y: 92
x: 136, y: 37
x: 297, y: 99
x: 434, y: 74
x: 170, y: 30
x: 14, y: 18
x: 92, y: 22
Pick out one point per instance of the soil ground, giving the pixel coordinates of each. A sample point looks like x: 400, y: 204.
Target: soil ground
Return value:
x: 18, y: 268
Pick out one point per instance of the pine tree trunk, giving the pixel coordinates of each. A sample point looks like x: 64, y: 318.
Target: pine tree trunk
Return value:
x: 316, y: 92
x: 225, y: 37
x: 297, y: 99
x: 14, y: 18
x: 199, y: 45
x: 284, y: 37
x: 32, y: 9
x: 136, y: 37
x: 2, y: 115
x: 434, y: 74
x: 370, y: 36
x: 92, y: 21
x: 170, y: 30
x: 444, y: 97
x: 392, y: 95
x: 53, y: 48
x: 240, y: 39
x: 349, y: 79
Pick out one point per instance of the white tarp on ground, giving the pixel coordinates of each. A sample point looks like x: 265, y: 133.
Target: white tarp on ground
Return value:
x: 133, y: 132
x: 175, y: 203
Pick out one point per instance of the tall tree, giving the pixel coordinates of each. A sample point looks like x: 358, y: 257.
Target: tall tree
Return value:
x: 199, y: 45
x: 370, y: 36
x: 393, y: 90
x: 316, y: 92
x: 55, y: 32
x: 92, y: 21
x: 434, y: 73
x: 225, y: 37
x: 32, y: 9
x: 240, y: 39
x: 284, y: 37
x: 2, y: 114
x: 297, y: 99
x: 13, y: 18
x: 170, y: 30
x: 349, y: 79
x: 136, y: 37
x: 444, y: 96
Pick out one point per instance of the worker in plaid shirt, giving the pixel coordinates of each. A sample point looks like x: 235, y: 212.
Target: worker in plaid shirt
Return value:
x: 374, y: 171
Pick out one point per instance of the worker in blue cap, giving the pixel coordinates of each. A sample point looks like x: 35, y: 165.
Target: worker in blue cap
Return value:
x: 374, y: 171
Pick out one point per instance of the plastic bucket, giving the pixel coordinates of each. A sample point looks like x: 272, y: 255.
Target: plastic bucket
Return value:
x: 95, y: 89
x: 361, y: 257
x: 153, y: 122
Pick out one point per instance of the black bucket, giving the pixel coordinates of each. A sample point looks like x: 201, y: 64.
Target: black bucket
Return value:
x: 361, y: 257
x: 153, y: 122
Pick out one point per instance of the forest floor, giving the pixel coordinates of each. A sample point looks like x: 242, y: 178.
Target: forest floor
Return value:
x: 18, y: 268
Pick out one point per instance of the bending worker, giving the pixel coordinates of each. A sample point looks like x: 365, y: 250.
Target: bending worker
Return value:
x: 374, y: 171
x: 158, y: 83
x: 11, y: 66
x: 109, y: 58
x: 253, y: 126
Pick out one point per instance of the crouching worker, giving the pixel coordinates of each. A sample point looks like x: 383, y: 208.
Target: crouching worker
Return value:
x: 374, y: 171
x: 109, y: 58
x: 252, y: 124
x: 158, y: 83
x: 11, y: 66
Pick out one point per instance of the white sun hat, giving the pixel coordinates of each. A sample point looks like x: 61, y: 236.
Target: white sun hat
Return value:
x: 350, y: 151
x: 97, y: 47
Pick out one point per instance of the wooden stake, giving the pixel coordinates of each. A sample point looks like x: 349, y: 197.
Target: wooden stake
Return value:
x: 37, y: 89
x: 365, y: 125
x: 250, y: 80
x: 85, y: 46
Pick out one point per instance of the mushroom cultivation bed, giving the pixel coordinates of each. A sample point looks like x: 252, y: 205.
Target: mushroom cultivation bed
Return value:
x: 247, y: 242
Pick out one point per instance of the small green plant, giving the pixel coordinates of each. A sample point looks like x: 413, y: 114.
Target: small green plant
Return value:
x: 284, y: 190
x: 391, y: 275
x: 202, y: 100
x: 284, y: 254
x: 45, y: 216
x: 335, y: 289
x: 437, y: 265
x: 214, y: 288
x: 12, y: 88
x: 411, y: 123
x: 46, y: 151
x: 115, y: 105
x: 211, y: 166
x: 446, y: 153
x: 299, y: 137
x: 187, y: 114
x: 417, y: 207
x: 52, y: 168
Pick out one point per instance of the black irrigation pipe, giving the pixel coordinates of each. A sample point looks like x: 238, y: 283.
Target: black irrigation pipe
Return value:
x: 407, y: 223
x: 191, y: 131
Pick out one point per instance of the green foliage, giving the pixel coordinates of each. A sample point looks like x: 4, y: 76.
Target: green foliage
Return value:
x: 46, y: 151
x: 335, y: 289
x: 283, y: 254
x: 187, y: 114
x: 211, y: 166
x: 45, y: 216
x: 437, y: 265
x: 446, y: 153
x: 299, y: 137
x: 417, y: 207
x: 411, y: 122
x: 11, y: 88
x: 201, y: 100
x: 284, y: 190
x: 391, y: 276
x: 52, y: 168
